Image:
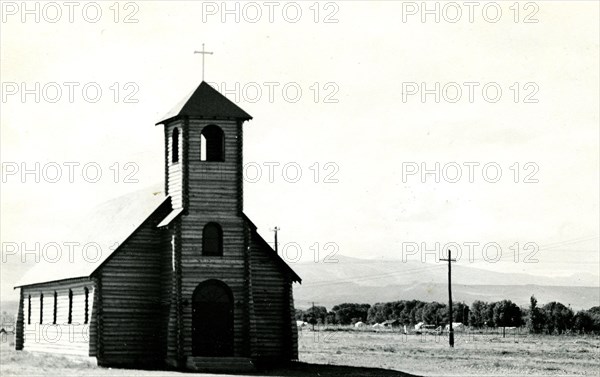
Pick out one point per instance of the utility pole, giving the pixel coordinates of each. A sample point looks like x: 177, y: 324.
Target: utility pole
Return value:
x: 450, y: 331
x: 313, y: 313
x: 275, y: 230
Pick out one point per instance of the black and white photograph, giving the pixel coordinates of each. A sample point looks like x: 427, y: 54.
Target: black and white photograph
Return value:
x: 300, y: 188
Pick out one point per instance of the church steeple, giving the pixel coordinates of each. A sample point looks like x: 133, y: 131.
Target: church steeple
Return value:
x: 203, y: 150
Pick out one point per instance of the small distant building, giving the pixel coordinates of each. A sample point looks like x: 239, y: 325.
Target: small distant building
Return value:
x: 301, y: 324
x: 456, y: 326
x: 391, y: 323
x: 359, y: 324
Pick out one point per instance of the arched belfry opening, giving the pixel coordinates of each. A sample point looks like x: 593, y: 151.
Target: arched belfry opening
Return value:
x: 212, y: 144
x: 212, y: 319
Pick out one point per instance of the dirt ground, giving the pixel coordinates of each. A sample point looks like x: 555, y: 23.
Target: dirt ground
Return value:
x: 369, y: 354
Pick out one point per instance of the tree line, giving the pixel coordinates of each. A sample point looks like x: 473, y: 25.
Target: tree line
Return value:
x: 551, y: 318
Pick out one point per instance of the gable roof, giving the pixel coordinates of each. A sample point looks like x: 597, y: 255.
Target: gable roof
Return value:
x: 97, y: 235
x: 280, y: 262
x: 101, y: 231
x: 206, y: 103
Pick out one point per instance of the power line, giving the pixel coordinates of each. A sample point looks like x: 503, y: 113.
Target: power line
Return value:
x: 429, y: 267
x: 546, y: 247
x: 373, y: 277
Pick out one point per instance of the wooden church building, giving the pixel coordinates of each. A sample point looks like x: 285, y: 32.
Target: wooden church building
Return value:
x: 180, y: 278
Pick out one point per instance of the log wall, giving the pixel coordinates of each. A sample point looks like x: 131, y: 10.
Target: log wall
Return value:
x: 139, y: 310
x: 174, y: 176
x: 133, y: 307
x: 270, y: 290
x: 292, y: 338
x: 212, y: 194
x: 172, y: 292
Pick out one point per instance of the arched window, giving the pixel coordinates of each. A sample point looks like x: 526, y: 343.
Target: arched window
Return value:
x: 175, y: 146
x: 212, y: 239
x: 212, y: 144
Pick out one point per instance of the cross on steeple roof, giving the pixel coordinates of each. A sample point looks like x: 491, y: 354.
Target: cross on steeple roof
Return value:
x: 203, y: 53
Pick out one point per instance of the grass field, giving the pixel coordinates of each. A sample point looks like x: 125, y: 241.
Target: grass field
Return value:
x: 349, y: 353
x: 473, y: 354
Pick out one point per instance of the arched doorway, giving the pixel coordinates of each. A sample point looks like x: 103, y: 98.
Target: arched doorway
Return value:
x: 212, y: 319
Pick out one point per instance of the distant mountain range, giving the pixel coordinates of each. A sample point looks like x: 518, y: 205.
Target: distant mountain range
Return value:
x: 371, y: 281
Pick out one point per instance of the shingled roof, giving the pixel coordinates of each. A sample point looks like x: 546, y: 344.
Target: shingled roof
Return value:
x: 205, y: 103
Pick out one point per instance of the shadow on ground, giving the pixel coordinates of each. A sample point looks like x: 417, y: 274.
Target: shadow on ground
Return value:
x: 322, y: 370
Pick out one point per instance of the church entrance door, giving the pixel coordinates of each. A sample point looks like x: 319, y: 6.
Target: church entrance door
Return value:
x: 212, y: 319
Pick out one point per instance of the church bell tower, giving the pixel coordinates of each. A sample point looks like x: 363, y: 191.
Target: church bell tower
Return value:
x: 203, y: 152
x: 211, y: 309
x: 230, y: 295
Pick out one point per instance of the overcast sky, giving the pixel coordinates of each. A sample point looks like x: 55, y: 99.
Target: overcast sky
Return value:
x: 361, y: 69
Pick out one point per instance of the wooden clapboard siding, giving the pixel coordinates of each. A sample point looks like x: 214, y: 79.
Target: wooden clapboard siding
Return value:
x: 62, y: 337
x: 47, y: 311
x: 20, y: 322
x: 132, y: 296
